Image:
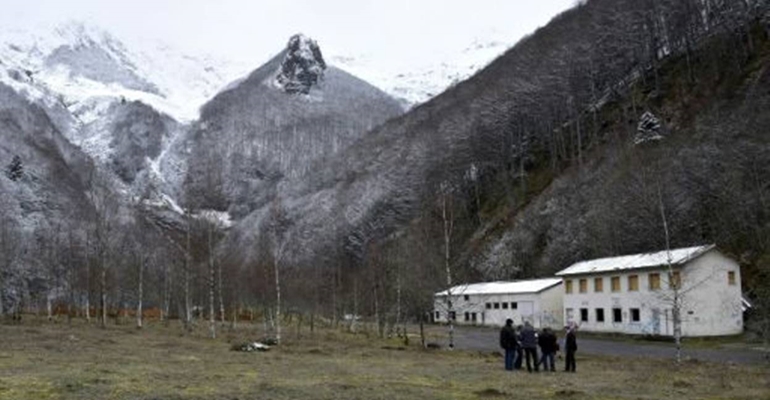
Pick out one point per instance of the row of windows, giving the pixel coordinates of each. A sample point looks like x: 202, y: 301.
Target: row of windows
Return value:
x: 617, y: 315
x: 469, y: 316
x: 653, y: 280
x: 504, y: 306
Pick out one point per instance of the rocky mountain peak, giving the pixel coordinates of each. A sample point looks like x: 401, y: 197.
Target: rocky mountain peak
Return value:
x: 302, y: 66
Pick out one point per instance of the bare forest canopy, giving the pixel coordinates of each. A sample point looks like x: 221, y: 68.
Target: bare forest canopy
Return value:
x: 560, y: 150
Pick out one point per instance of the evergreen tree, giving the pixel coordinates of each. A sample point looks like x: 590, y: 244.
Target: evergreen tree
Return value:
x: 15, y: 169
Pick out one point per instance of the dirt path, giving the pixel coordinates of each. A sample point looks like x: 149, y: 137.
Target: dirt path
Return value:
x: 485, y: 339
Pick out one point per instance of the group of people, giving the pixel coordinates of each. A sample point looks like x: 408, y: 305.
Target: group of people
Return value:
x: 520, y: 343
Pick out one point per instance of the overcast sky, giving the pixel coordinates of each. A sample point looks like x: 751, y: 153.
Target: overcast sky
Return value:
x: 252, y: 30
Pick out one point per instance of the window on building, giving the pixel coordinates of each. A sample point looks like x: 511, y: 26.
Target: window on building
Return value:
x: 514, y: 305
x: 467, y: 316
x: 438, y: 315
x: 583, y: 315
x: 654, y: 281
x: 466, y: 297
x: 599, y: 315
x: 674, y: 280
x: 568, y: 286
x: 731, y: 277
x: 497, y: 306
x: 598, y: 285
x: 617, y: 315
x: 489, y: 306
x: 583, y: 285
x: 615, y: 282
x: 453, y: 316
x: 633, y: 283
x: 569, y: 314
x: 635, y: 315
x: 505, y: 306
x: 473, y: 317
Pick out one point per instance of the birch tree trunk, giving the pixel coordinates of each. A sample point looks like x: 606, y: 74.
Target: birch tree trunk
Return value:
x: 377, y: 313
x: 276, y: 271
x: 448, y: 227
x: 398, y: 296
x: 221, y: 299
x: 674, y: 284
x: 103, y: 297
x: 353, y: 326
x: 212, y: 316
x: 140, y: 296
x: 87, y: 304
x: 49, y: 306
x: 187, y: 305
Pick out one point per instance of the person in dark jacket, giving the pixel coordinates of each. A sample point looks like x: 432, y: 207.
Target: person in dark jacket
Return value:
x: 508, y: 343
x: 529, y: 343
x: 548, y: 345
x: 570, y: 347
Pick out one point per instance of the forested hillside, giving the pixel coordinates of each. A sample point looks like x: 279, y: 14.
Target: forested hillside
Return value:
x: 305, y: 190
x: 575, y: 144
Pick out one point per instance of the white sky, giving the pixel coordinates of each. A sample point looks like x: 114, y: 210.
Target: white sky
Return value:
x: 389, y: 31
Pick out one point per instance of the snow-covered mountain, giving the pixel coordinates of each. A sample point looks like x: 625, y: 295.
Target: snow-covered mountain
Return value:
x: 274, y: 126
x: 123, y: 105
x: 82, y: 65
x: 419, y: 83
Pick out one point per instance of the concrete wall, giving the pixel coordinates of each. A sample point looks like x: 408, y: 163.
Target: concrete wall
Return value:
x: 542, y: 309
x: 710, y: 306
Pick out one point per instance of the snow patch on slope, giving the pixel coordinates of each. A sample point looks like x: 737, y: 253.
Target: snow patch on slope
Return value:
x: 78, y: 61
x: 415, y: 84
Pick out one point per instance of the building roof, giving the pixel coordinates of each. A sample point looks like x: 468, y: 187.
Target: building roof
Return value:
x: 503, y: 287
x: 636, y: 261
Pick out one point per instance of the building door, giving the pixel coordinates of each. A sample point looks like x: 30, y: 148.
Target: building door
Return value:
x: 656, y: 321
x: 526, y: 310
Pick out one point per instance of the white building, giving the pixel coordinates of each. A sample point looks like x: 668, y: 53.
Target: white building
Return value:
x: 491, y: 303
x: 634, y: 294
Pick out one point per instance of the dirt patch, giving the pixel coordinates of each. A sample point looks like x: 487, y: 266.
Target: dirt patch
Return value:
x: 680, y: 384
x: 490, y: 392
x: 567, y: 393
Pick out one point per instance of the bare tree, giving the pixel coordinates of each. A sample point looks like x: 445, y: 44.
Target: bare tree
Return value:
x: 278, y: 226
x: 10, y: 247
x: 106, y: 207
x: 213, y: 226
x: 674, y: 284
x: 447, y: 217
x: 141, y: 262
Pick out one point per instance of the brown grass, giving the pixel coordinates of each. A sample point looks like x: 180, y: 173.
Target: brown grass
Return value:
x: 56, y: 361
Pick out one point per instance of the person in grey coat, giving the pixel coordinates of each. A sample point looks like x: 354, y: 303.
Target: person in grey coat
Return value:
x: 570, y: 345
x: 529, y: 344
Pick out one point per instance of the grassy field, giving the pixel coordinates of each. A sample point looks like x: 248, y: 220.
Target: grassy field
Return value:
x: 39, y: 360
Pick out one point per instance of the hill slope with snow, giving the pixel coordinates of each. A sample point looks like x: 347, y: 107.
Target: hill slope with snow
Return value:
x: 77, y: 62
